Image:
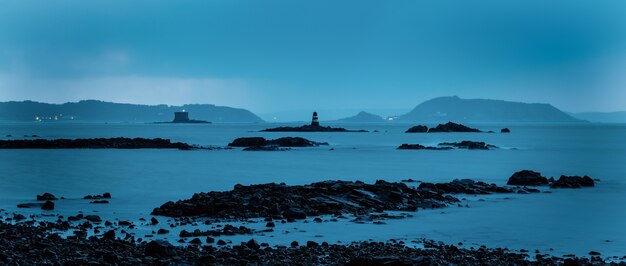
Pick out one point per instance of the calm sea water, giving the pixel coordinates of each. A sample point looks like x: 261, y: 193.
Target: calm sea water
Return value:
x: 568, y: 221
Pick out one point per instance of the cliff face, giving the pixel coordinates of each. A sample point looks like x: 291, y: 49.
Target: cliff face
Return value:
x: 91, y: 110
x: 445, y: 109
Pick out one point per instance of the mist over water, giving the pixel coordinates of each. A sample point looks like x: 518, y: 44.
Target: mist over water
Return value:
x: 568, y: 220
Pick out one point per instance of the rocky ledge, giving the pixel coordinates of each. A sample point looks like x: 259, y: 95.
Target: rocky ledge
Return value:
x: 262, y: 144
x: 466, y: 144
x: 310, y: 128
x: 447, y: 127
x: 33, y: 245
x: 532, y: 178
x: 280, y: 201
x: 95, y: 143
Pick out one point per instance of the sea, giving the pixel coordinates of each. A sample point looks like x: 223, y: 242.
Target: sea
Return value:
x: 555, y: 221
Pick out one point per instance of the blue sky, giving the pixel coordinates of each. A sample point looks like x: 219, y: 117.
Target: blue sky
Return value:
x: 272, y: 56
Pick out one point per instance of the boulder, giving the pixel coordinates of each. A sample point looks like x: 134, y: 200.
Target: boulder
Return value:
x: 527, y: 178
x: 573, y: 182
x: 48, y: 205
x: 46, y: 196
x: 159, y: 248
x: 505, y: 130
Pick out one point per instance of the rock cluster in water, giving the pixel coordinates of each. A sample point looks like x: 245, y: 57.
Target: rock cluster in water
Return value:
x: 466, y: 144
x: 447, y: 127
x: 95, y: 143
x: 262, y: 144
x: 311, y: 128
x: 532, y: 178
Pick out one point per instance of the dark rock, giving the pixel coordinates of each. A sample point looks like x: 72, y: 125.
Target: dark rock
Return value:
x: 154, y: 221
x: 30, y: 205
x: 310, y: 128
x: 162, y: 231
x: 264, y: 148
x: 106, y: 195
x: 505, y: 130
x: 452, y: 127
x: 470, y: 145
x: 294, y: 244
x: 417, y: 129
x: 109, y: 234
x: 221, y: 242
x: 156, y: 248
x: 421, y: 147
x: 253, y: 244
x: 46, y: 196
x: 527, y: 178
x: 93, y: 218
x: 573, y: 182
x: 270, y: 224
x: 99, y: 202
x: 195, y: 241
x: 96, y: 143
x: 48, y: 205
x: 248, y: 142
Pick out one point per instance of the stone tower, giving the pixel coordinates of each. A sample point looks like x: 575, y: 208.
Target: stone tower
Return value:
x: 315, y: 122
x: 181, y: 117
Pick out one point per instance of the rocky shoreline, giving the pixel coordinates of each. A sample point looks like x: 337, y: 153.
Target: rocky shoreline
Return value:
x: 95, y: 143
x: 23, y: 244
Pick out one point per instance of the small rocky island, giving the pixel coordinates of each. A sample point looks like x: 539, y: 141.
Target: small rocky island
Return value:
x: 262, y: 144
x: 95, y: 143
x: 466, y: 144
x: 447, y: 127
x: 313, y: 127
x: 182, y: 117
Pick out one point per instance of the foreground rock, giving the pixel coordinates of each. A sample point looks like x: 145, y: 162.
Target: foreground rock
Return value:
x: 573, y: 182
x: 527, y: 178
x: 298, y: 202
x: 97, y: 143
x: 27, y: 245
x: 279, y: 142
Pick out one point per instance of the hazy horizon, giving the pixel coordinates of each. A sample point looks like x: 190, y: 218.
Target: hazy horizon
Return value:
x: 275, y: 56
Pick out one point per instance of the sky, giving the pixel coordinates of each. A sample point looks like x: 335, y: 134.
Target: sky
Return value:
x: 276, y: 56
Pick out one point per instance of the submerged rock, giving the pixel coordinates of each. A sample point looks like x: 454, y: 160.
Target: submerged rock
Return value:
x: 421, y: 147
x: 527, y: 178
x: 573, y: 182
x: 262, y: 144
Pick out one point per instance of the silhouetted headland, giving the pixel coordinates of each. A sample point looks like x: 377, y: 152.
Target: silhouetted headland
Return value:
x: 313, y: 127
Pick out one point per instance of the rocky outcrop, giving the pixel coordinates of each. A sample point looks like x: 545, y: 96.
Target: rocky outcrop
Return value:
x: 470, y: 145
x: 310, y: 128
x: 573, y: 182
x: 417, y: 129
x: 464, y: 186
x: 452, y: 127
x: 46, y: 196
x: 421, y: 147
x: 262, y: 144
x: 105, y: 195
x: 466, y: 144
x: 298, y: 202
x: 527, y: 178
x: 97, y: 143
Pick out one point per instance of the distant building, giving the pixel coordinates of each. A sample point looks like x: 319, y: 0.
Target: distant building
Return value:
x: 315, y: 121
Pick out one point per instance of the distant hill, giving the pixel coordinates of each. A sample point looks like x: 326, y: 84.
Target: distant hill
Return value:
x: 361, y: 117
x: 92, y: 110
x: 611, y: 117
x: 444, y: 109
